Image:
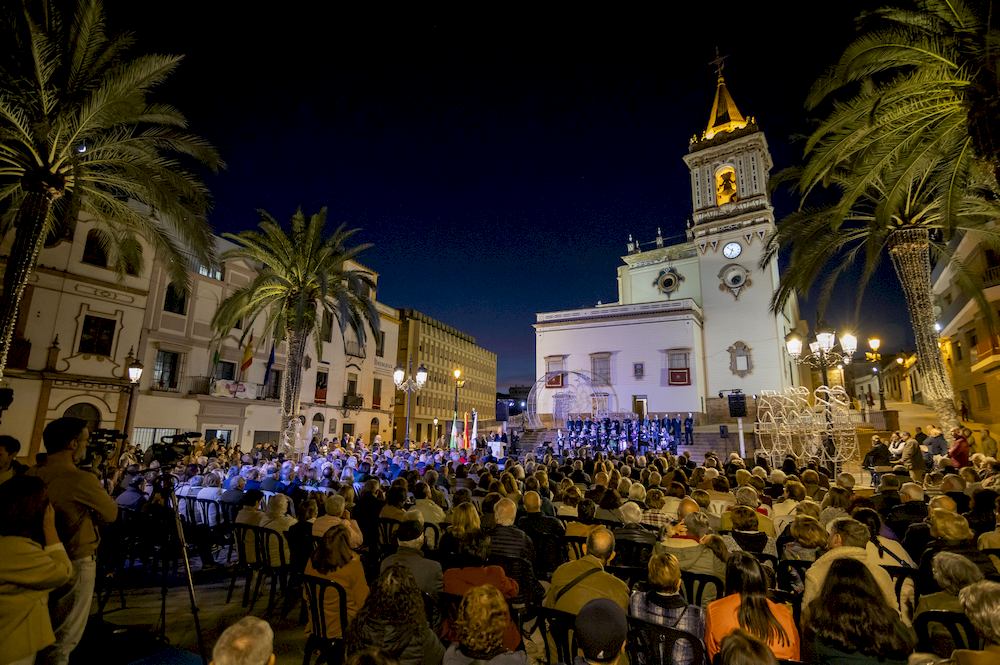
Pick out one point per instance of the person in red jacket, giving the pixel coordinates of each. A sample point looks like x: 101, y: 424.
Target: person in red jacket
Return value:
x: 958, y: 452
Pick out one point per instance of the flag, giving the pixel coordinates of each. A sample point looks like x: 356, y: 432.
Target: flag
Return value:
x: 270, y: 364
x: 454, y: 432
x: 247, y: 354
x: 475, y: 425
x: 465, y: 430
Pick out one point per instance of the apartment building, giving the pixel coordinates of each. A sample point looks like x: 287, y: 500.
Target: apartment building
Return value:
x: 81, y: 324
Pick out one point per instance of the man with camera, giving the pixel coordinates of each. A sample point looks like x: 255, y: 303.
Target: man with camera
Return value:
x: 80, y: 502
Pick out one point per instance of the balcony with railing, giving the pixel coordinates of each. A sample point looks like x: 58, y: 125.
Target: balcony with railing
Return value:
x: 353, y: 402
x: 354, y: 349
x: 212, y: 387
x: 991, y: 277
x: 985, y: 355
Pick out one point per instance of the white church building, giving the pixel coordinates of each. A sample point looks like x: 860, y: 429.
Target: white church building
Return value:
x: 692, y: 319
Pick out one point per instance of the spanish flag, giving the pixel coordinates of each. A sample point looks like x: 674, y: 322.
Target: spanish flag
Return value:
x: 247, y: 354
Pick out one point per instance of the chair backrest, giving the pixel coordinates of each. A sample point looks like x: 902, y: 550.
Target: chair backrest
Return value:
x: 246, y: 536
x: 651, y: 644
x: 208, y: 511
x: 789, y: 598
x: 632, y: 552
x: 271, y: 543
x: 432, y: 535
x: 963, y: 634
x: 575, y: 546
x: 315, y: 589
x: 694, y: 586
x: 520, y: 570
x: 387, y: 532
x: 899, y: 575
x: 785, y: 568
x: 556, y: 627
x: 630, y: 575
x: 764, y: 557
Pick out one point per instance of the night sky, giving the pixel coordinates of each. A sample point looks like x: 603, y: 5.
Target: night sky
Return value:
x: 496, y: 157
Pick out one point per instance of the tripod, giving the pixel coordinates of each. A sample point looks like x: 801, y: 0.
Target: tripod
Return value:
x: 166, y: 490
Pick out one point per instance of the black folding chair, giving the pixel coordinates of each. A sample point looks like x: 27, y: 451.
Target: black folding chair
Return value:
x: 575, y: 546
x: 787, y: 568
x: 789, y: 598
x: 630, y: 552
x: 273, y: 565
x: 245, y: 537
x: 432, y: 536
x: 630, y: 575
x: 387, y: 534
x: 330, y: 648
x: 556, y: 628
x: 693, y: 585
x: 652, y: 644
x: 963, y: 634
x: 899, y: 575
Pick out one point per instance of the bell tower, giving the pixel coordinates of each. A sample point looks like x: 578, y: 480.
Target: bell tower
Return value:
x: 731, y: 219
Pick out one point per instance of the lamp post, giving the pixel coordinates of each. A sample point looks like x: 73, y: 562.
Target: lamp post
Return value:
x: 409, y: 384
x: 875, y: 358
x: 436, y: 430
x: 134, y: 374
x: 459, y: 382
x: 823, y: 354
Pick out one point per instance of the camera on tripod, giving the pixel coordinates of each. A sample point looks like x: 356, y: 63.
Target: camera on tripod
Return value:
x: 103, y: 442
x: 171, y: 448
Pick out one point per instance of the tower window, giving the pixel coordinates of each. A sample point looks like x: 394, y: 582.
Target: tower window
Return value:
x: 725, y: 185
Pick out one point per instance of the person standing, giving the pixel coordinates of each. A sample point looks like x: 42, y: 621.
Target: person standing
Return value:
x: 80, y: 504
x: 987, y: 444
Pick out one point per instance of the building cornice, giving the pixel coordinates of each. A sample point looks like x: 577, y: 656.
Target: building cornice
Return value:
x: 620, y: 312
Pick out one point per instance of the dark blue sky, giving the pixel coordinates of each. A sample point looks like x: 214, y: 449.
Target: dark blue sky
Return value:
x: 497, y: 159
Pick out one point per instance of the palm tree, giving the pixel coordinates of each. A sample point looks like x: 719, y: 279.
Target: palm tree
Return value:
x: 78, y: 133
x: 907, y: 152
x: 303, y: 274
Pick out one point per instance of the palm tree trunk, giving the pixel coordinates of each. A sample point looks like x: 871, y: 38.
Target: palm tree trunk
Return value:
x: 28, y: 240
x: 910, y: 252
x: 291, y: 381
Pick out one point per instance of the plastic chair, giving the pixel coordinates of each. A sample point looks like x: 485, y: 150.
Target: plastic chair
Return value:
x: 785, y: 568
x: 276, y: 571
x: 331, y: 648
x: 694, y: 585
x: 387, y: 533
x: 963, y: 634
x: 630, y: 575
x: 632, y: 552
x: 245, y: 537
x: 899, y: 575
x: 789, y: 598
x: 556, y: 628
x: 575, y: 546
x: 432, y: 538
x: 652, y: 644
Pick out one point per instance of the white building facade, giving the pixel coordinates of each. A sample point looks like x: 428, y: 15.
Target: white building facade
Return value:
x: 692, y: 319
x: 79, y: 322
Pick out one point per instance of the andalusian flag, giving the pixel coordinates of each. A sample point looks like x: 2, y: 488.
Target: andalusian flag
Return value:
x: 247, y: 354
x: 454, y: 432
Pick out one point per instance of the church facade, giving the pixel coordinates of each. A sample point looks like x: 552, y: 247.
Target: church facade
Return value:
x: 692, y: 319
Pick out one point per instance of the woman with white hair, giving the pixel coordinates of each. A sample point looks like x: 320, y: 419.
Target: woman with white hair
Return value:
x: 337, y: 514
x: 981, y: 602
x: 276, y: 517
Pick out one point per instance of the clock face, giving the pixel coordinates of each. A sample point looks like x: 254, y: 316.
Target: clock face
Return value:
x: 732, y: 250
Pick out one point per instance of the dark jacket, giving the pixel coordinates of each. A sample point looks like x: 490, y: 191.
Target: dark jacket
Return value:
x: 545, y: 533
x: 409, y: 643
x: 426, y: 572
x: 900, y: 517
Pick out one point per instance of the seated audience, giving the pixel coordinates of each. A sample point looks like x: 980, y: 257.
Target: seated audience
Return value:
x: 571, y: 589
x: 745, y: 535
x: 660, y: 602
x: 334, y: 560
x: 336, y: 515
x: 741, y: 648
x: 601, y: 629
x: 409, y: 554
x: 393, y: 619
x: 249, y: 640
x: 981, y: 603
x: 544, y: 532
x: 851, y: 621
x: 464, y: 520
x: 747, y: 607
x: 482, y: 622
x: 848, y: 540
x: 952, y: 572
x: 951, y: 533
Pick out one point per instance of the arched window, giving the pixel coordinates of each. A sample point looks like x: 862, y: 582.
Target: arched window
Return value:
x: 318, y: 421
x: 93, y: 250
x: 86, y: 412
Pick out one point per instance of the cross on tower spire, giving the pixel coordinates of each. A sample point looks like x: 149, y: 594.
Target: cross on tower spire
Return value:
x: 719, y: 62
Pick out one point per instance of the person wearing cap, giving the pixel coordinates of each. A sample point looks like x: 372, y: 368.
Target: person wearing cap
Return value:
x: 409, y: 554
x: 576, y: 582
x: 600, y: 630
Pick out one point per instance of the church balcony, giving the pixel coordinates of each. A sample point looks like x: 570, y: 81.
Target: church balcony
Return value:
x: 637, y: 310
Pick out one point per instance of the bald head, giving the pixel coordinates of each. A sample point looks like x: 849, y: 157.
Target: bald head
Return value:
x: 504, y: 512
x: 944, y: 503
x: 532, y: 502
x: 686, y: 507
x: 601, y: 544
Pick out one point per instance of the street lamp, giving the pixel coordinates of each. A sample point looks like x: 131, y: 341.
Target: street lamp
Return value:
x: 823, y: 353
x: 459, y: 383
x: 409, y: 385
x: 436, y: 435
x: 134, y: 374
x: 875, y: 358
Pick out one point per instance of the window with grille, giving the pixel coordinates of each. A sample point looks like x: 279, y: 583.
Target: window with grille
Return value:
x: 211, y: 272
x: 638, y: 370
x: 678, y: 368
x: 555, y: 371
x: 165, y: 370
x: 98, y: 335
x: 272, y: 389
x: 600, y: 368
x: 225, y: 371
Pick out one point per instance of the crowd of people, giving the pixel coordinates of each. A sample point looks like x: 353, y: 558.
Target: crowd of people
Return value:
x: 618, y: 434
x: 456, y: 557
